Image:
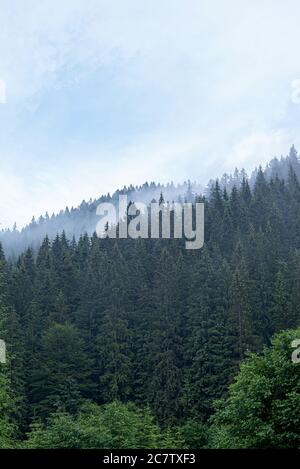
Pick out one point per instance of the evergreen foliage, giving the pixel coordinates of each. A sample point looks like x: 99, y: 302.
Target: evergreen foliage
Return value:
x: 146, y: 324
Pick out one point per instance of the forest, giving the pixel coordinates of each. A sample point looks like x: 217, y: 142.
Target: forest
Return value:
x: 75, y: 221
x: 143, y: 344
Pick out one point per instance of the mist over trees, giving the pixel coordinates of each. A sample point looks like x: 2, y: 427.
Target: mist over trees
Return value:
x: 83, y: 219
x: 155, y: 333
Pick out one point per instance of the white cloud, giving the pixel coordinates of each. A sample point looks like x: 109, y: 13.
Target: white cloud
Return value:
x: 2, y: 92
x: 218, y: 73
x: 258, y: 149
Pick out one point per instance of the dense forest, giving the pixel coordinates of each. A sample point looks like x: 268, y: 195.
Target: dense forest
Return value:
x: 75, y: 221
x: 157, y: 345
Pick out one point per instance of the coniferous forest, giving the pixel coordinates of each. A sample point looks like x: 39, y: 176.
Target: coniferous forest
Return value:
x: 143, y: 344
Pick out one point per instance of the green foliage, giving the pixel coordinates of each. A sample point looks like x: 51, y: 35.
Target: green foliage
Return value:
x: 194, y: 434
x: 149, y: 322
x: 60, y: 377
x: 7, y: 428
x: 112, y: 425
x: 263, y: 406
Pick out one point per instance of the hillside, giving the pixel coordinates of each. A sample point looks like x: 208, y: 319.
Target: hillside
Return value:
x: 147, y: 321
x: 77, y: 221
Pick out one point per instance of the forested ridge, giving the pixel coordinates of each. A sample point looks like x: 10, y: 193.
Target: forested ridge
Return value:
x: 75, y: 221
x: 143, y: 333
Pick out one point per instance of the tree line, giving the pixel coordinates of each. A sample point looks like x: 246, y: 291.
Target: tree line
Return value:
x: 148, y: 330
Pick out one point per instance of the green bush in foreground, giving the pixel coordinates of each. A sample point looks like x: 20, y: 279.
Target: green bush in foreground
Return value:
x: 114, y: 425
x: 262, y: 410
x: 263, y: 407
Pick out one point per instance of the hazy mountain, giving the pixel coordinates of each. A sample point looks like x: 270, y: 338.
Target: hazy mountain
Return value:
x: 83, y: 219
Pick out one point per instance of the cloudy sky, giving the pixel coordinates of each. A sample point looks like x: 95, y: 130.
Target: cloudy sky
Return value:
x: 96, y: 94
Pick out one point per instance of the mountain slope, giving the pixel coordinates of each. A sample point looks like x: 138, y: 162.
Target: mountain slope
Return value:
x: 83, y: 219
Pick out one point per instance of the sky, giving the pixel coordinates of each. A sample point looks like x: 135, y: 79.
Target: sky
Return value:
x: 98, y: 94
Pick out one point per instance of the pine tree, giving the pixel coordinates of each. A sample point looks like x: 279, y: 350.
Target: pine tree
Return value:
x: 113, y: 342
x: 61, y: 378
